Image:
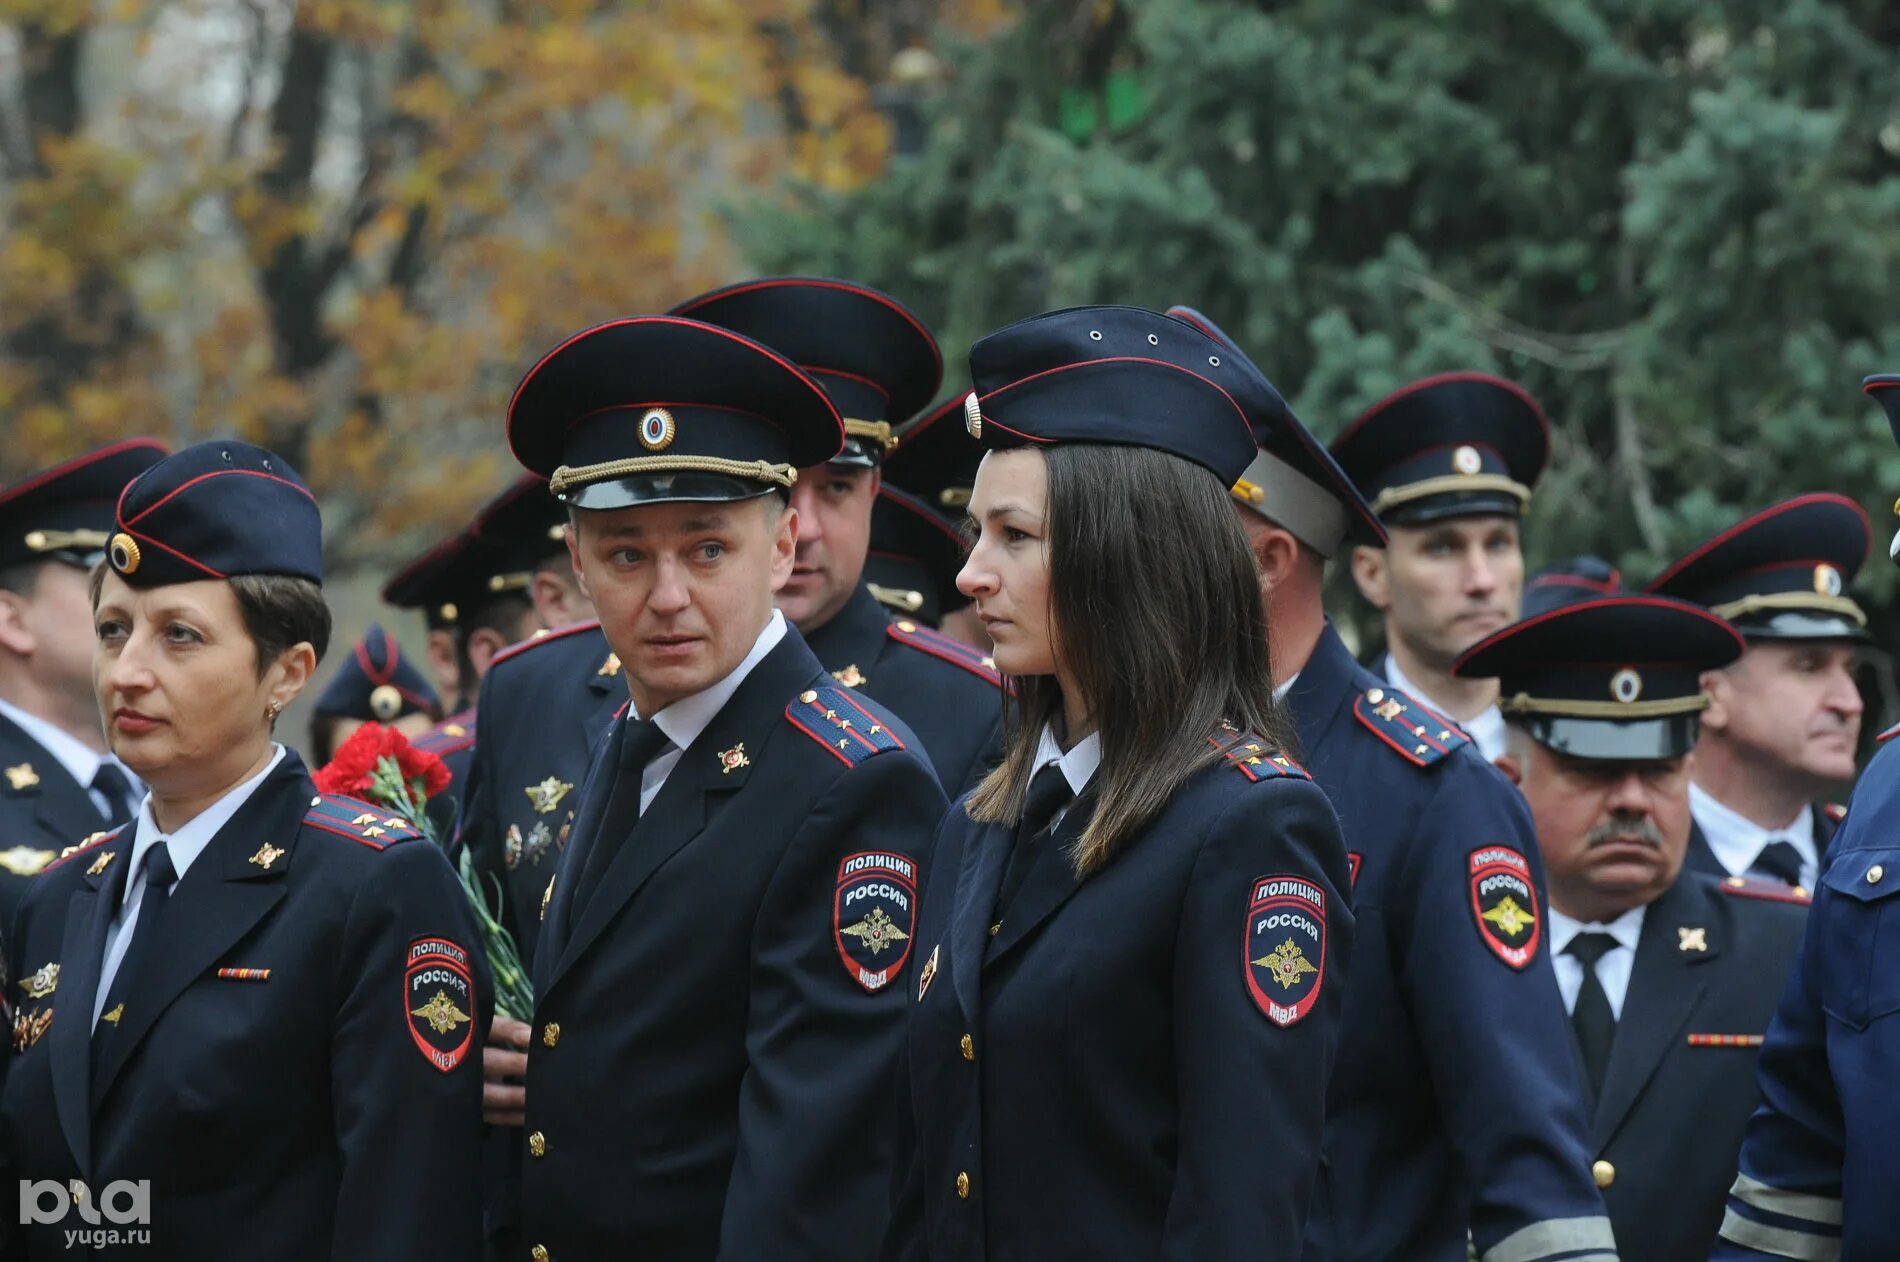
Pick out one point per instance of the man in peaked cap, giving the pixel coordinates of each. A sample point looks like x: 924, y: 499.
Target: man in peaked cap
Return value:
x: 374, y: 684
x: 915, y: 554
x: 935, y: 461
x: 879, y: 365
x: 1669, y: 975
x: 1818, y: 1163
x: 749, y: 843
x: 1784, y: 721
x: 1420, y: 1162
x: 61, y: 784
x: 1448, y: 463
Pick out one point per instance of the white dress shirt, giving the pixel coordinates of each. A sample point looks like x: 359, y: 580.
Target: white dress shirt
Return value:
x: 1078, y: 765
x: 81, y: 762
x: 685, y: 719
x: 184, y: 847
x: 1737, y: 841
x: 1485, y: 729
x: 1613, y: 969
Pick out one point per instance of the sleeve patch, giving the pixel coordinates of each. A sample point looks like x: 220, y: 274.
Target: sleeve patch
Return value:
x: 874, y: 915
x: 957, y: 653
x: 360, y: 821
x: 1766, y: 889
x: 1414, y: 732
x: 1285, y: 947
x: 832, y: 717
x: 439, y: 996
x: 1504, y: 904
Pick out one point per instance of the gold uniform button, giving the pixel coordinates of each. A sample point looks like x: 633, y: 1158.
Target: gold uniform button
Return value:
x: 1604, y: 1173
x: 963, y: 1186
x: 968, y: 1045
x: 538, y: 1144
x: 540, y: 1253
x: 1875, y: 873
x: 551, y: 1033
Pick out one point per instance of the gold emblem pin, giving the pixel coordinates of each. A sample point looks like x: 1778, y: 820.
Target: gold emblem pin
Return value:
x: 99, y: 864
x: 656, y: 429
x: 124, y: 553
x: 1467, y: 461
x: 1692, y: 939
x: 1626, y: 686
x: 611, y: 666
x: 41, y: 982
x: 850, y: 676
x: 547, y: 795
x: 730, y: 760
x: 385, y: 701
x: 25, y: 861
x: 928, y: 975
x: 113, y: 1017
x: 22, y: 777
x: 1827, y: 580
x: 547, y: 896
x: 266, y: 855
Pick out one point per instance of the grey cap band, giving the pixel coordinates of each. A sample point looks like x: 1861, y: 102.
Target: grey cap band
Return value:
x: 1288, y: 498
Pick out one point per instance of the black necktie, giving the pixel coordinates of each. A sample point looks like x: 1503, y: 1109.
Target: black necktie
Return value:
x: 129, y: 982
x: 1592, y: 1019
x: 1048, y: 793
x: 639, y: 745
x: 117, y: 789
x: 1780, y: 861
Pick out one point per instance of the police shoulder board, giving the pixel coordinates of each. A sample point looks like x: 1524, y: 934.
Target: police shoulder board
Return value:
x: 91, y: 843
x: 1253, y: 757
x: 1419, y: 735
x: 835, y: 719
x: 362, y: 822
x: 938, y: 645
x: 450, y: 736
x: 1765, y: 889
x: 540, y: 638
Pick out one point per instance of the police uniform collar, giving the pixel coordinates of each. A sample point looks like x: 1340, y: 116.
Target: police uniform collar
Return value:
x: 685, y: 719
x: 81, y: 761
x: 1627, y: 929
x: 1078, y: 764
x: 1737, y: 841
x: 191, y: 838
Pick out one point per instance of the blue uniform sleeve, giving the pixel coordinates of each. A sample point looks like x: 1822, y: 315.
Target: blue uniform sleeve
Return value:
x: 1253, y: 1061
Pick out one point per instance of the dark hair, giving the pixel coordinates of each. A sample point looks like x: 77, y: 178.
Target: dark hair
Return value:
x: 1155, y: 606
x: 501, y: 614
x: 278, y: 611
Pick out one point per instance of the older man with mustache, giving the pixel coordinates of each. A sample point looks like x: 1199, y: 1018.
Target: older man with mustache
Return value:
x: 1670, y: 976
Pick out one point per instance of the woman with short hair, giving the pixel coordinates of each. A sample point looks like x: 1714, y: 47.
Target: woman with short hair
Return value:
x: 1133, y: 943
x: 207, y: 1042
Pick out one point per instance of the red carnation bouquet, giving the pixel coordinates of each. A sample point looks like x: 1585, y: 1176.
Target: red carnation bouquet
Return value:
x: 378, y: 764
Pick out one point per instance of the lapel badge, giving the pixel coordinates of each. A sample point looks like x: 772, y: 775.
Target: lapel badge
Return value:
x: 1692, y: 939
x: 25, y: 860
x: 730, y: 760
x: 611, y: 666
x: 547, y: 795
x: 36, y: 1028
x: 540, y: 837
x: 41, y: 982
x: 850, y: 676
x: 112, y: 1017
x: 266, y: 855
x: 99, y: 864
x: 22, y: 777
x: 547, y: 896
x: 511, y: 847
x: 929, y: 974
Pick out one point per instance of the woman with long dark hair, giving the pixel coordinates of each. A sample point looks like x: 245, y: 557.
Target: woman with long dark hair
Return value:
x: 1133, y: 938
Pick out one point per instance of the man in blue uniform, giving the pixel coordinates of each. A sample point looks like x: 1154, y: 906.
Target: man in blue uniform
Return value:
x: 915, y: 554
x: 880, y: 366
x: 1448, y: 463
x: 935, y: 462
x: 1818, y: 1161
x: 1669, y: 975
x: 1783, y: 723
x: 1445, y: 1123
x: 721, y: 980
x: 60, y: 783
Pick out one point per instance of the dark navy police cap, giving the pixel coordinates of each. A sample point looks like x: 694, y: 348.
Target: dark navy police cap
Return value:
x: 660, y: 409
x: 511, y: 536
x: 935, y: 458
x: 1569, y: 582
x: 1462, y: 444
x: 65, y: 513
x: 217, y: 509
x: 1293, y: 481
x: 444, y: 582
x: 376, y: 683
x: 1782, y: 573
x: 1616, y: 678
x: 914, y: 558
x: 1885, y: 388
x: 1115, y: 375
x: 876, y: 360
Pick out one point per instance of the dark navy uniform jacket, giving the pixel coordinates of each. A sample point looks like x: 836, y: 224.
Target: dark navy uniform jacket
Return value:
x: 716, y: 1035
x: 303, y: 1079
x: 949, y: 694
x: 1821, y: 1157
x: 1454, y: 1104
x: 43, y: 810
x: 1680, y: 1082
x: 1132, y: 1065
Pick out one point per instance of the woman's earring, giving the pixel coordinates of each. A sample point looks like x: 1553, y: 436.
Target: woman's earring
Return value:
x: 274, y: 709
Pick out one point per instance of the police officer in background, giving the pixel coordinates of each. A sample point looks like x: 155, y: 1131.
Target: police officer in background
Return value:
x: 374, y: 683
x: 915, y: 554
x: 1568, y: 582
x: 1818, y: 1162
x: 935, y: 462
x: 1783, y: 722
x: 1423, y: 1149
x: 721, y: 981
x: 1448, y: 463
x: 879, y: 365
x: 1669, y: 975
x: 61, y: 783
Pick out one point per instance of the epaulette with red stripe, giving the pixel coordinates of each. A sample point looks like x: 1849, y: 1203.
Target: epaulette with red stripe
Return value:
x: 1834, y: 811
x: 91, y: 843
x: 1419, y: 735
x: 451, y: 736
x: 1765, y: 889
x: 937, y: 644
x: 543, y: 637
x: 833, y: 718
x: 362, y: 822
x: 1252, y: 757
x: 1889, y: 734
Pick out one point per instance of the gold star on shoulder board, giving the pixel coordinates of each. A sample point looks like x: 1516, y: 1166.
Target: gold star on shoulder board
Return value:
x: 22, y: 777
x: 266, y: 855
x: 24, y: 860
x: 1692, y: 939
x: 99, y: 864
x: 547, y: 795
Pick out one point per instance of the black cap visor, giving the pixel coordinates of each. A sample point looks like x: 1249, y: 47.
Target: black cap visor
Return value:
x: 1607, y: 740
